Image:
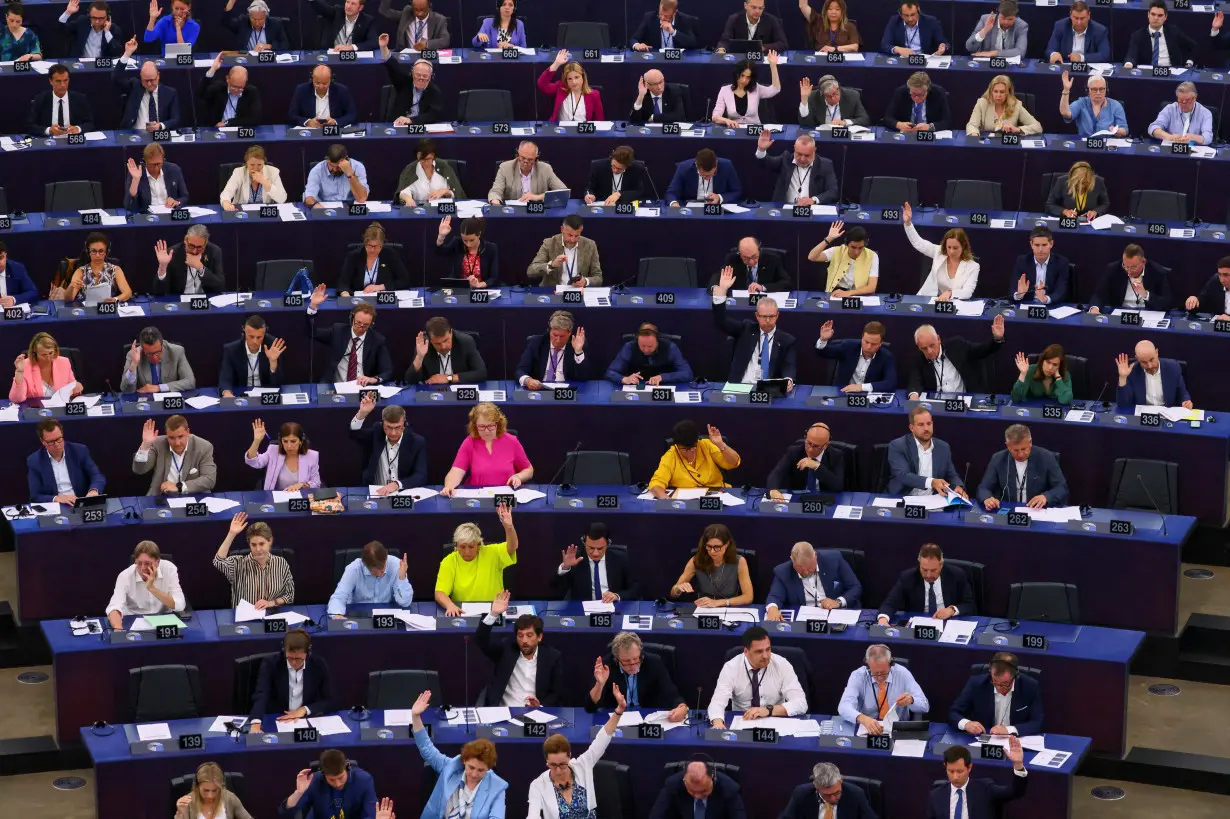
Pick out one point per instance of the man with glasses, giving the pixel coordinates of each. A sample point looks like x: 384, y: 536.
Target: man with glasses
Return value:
x: 762, y: 351
x: 356, y: 352
x: 255, y: 30
x: 61, y: 471
x: 827, y: 788
x: 156, y: 365
x: 230, y: 101
x: 808, y: 466
x: 656, y: 100
x: 1094, y: 113
x: 94, y: 35
x: 524, y: 179
x: 1133, y: 283
x: 752, y: 270
x: 150, y: 106
x: 821, y: 580
x: 642, y: 677
x: 154, y: 184
x: 394, y: 455
x: 192, y: 267
x: 594, y: 572
x: 880, y: 692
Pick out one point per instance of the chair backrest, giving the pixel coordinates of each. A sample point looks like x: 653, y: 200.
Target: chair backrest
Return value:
x: 4, y: 201
x: 72, y: 194
x: 1028, y: 100
x: 387, y: 94
x: 1048, y: 182
x: 975, y: 572
x: 666, y: 271
x: 985, y: 668
x: 879, y: 469
x: 889, y: 190
x: 1052, y: 602
x: 857, y: 560
x: 344, y: 557
x: 685, y: 93
x: 484, y: 105
x: 850, y: 472
x: 681, y: 765
x: 182, y: 786
x: 1158, y: 205
x: 399, y: 688
x: 157, y: 693
x: 243, y: 680
x: 665, y: 653
x: 613, y: 786
x: 874, y: 788
x: 597, y: 468
x: 286, y: 554
x: 753, y: 566
x: 73, y: 354
x: 796, y: 658
x: 973, y: 194
x: 1160, y: 477
x: 583, y: 35
x: 224, y: 173
x: 277, y: 274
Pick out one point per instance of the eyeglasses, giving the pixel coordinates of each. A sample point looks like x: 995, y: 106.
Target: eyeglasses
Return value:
x: 98, y: 251
x: 54, y: 441
x: 559, y: 766
x: 721, y: 547
x: 193, y: 247
x: 487, y: 427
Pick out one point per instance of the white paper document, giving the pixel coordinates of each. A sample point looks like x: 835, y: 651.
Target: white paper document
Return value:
x: 490, y: 716
x: 287, y: 726
x: 292, y: 618
x: 1174, y: 414
x: 846, y: 512
x: 930, y: 502
x: 1056, y: 514
x: 811, y: 613
x: 154, y: 730
x: 846, y: 617
x: 228, y: 299
x: 910, y: 747
x: 475, y: 609
x: 958, y: 632
x: 637, y: 622
x: 539, y: 716
x: 1063, y: 312
x: 630, y: 719
x: 1050, y: 759
x: 329, y: 725
x: 785, y: 726
x: 246, y: 612
x: 397, y: 716
x: 1105, y: 221
x: 1080, y: 416
x: 597, y: 607
x: 280, y: 496
x: 216, y: 505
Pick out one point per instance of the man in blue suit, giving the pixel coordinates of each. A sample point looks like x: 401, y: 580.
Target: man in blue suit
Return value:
x: 61, y: 472
x: 666, y: 28
x: 863, y: 365
x: 16, y: 286
x: 976, y: 798
x: 172, y: 189
x: 812, y: 578
x: 913, y: 32
x: 1078, y: 39
x: 824, y: 789
x: 273, y: 695
x: 1004, y: 701
x: 706, y: 179
x: 699, y: 792
x: 920, y: 464
x: 321, y: 102
x: 1022, y: 475
x: 93, y: 35
x: 1041, y: 276
x: 1157, y: 382
x: 762, y: 350
x: 149, y: 105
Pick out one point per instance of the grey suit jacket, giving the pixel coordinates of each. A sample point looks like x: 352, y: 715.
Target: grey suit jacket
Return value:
x: 588, y: 264
x: 197, y: 473
x: 507, y: 183
x: 176, y: 371
x: 1017, y: 38
x: 850, y: 105
x: 437, y: 26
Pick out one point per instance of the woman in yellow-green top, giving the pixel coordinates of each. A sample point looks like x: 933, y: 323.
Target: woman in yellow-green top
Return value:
x: 1047, y: 379
x: 474, y: 572
x: 692, y: 462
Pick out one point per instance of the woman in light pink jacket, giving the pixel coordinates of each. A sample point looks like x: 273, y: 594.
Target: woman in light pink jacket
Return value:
x: 739, y: 103
x: 42, y: 371
x: 290, y: 464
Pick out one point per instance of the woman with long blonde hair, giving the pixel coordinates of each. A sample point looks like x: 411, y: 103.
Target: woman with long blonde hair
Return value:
x: 209, y: 798
x: 1081, y: 193
x: 998, y: 110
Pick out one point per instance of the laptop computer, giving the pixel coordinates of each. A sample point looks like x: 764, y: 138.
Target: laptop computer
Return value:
x: 557, y: 198
x: 744, y: 46
x: 175, y: 49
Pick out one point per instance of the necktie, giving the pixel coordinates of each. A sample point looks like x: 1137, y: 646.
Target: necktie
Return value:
x: 828, y: 811
x: 698, y: 810
x: 155, y: 371
x: 930, y: 599
x: 418, y: 31
x: 751, y: 273
x: 764, y: 355
x: 352, y: 366
x: 634, y: 699
x: 657, y: 106
x: 959, y: 814
x: 597, y: 582
x: 755, y: 687
x: 882, y: 698
x: 811, y: 480
x: 917, y: 116
x: 60, y: 115
x: 1157, y: 46
x: 153, y: 107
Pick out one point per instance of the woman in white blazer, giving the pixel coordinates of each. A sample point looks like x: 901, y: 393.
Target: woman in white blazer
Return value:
x: 255, y: 183
x: 565, y: 790
x: 739, y: 103
x: 954, y: 273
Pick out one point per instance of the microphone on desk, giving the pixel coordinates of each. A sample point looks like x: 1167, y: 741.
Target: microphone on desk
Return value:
x: 1156, y: 508
x: 1098, y: 401
x: 109, y: 395
x: 564, y: 487
x: 623, y: 285
x: 700, y: 718
x: 707, y: 111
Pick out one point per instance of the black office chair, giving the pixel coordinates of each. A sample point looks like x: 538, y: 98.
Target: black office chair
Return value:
x: 399, y: 688
x: 244, y: 676
x: 975, y: 572
x: 388, y: 94
x: 485, y: 105
x: 597, y: 468
x: 344, y: 557
x: 1161, y: 478
x: 798, y: 660
x: 286, y: 554
x: 850, y: 478
x: 874, y: 788
x: 985, y: 668
x: 1150, y: 205
x: 182, y: 786
x: 277, y: 274
x: 398, y: 246
x: 73, y: 194
x: 157, y: 693
x: 889, y: 190
x: 1052, y: 602
x: 880, y: 472
x: 73, y: 354
x: 224, y: 173
x: 857, y: 560
x: 679, y: 766
x: 973, y: 194
x: 753, y: 566
x: 1029, y: 101
x: 689, y: 109
x: 4, y: 201
x: 1048, y: 181
x: 667, y: 271
x: 583, y: 35
x: 613, y: 788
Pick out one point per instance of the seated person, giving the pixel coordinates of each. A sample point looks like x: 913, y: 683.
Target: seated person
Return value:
x: 657, y: 100
x: 1078, y: 39
x: 524, y: 179
x: 649, y: 358
x: 693, y: 462
x: 558, y: 356
x: 1046, y: 379
x: 919, y: 463
x: 427, y: 178
x: 339, y: 788
x: 1214, y: 299
x: 698, y: 783
x: 934, y: 589
x: 93, y: 34
x: 191, y: 268
x: 822, y: 579
x: 374, y: 577
x: 912, y: 32
x: 58, y: 111
x: 313, y: 689
x: 1159, y: 44
x: 255, y: 30
x: 754, y: 24
x: 830, y: 104
x: 443, y: 356
x: 596, y: 573
x: 830, y: 29
x: 808, y: 466
x: 155, y: 184
x: 372, y: 267
x: 149, y: 586
x: 253, y: 183
x: 510, y: 685
x: 62, y: 471
x: 1134, y: 283
x: 753, y: 271
x: 705, y: 179
x: 717, y: 575
x: 1081, y: 194
x: 156, y: 365
x: 639, y: 674
x: 739, y: 103
x: 290, y: 466
x: 230, y: 100
x: 878, y: 687
x: 469, y: 775
x: 386, y: 466
x: 865, y: 365
x: 757, y: 682
x: 666, y: 28
x: 418, y: 27
x: 148, y: 104
x: 802, y: 178
x: 176, y: 27
x: 1001, y: 701
x: 356, y: 351
x: 474, y: 572
x: 418, y: 100
x: 16, y: 286
x: 919, y: 106
x: 1042, y: 276
x: 490, y: 455
x: 345, y: 27
x: 336, y: 178
x: 852, y: 272
x: 827, y: 788
x: 1156, y: 382
x: 574, y: 100
x: 954, y: 273
x: 1184, y: 120
x: 761, y: 350
x: 1000, y: 34
x: 999, y: 111
x: 260, y: 578
x: 98, y: 277
x: 986, y: 798
x: 622, y: 180
x: 209, y: 796
x: 41, y: 371
x: 503, y: 30
x: 1022, y: 474
x: 567, y: 258
x: 250, y: 362
x: 1094, y: 113
x: 473, y: 258
x: 321, y: 102
x: 181, y: 463
x: 950, y: 367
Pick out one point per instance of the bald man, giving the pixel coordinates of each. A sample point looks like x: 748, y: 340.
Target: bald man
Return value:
x: 699, y: 792
x: 809, y: 466
x: 321, y: 102
x: 754, y: 271
x: 230, y: 100
x: 1133, y: 283
x: 150, y: 106
x: 1152, y: 380
x: 656, y: 100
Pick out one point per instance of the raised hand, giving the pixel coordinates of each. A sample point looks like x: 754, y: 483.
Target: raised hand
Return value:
x: 258, y: 430
x: 302, y: 781
x: 601, y: 672
x: 421, y: 344
x: 715, y: 436
x: 446, y: 226
x: 907, y: 213
x: 997, y: 327
x: 805, y: 88
x: 569, y: 557
x: 274, y: 351
x: 621, y: 704
x: 500, y: 604
x: 161, y: 252
x: 318, y: 296
x: 1022, y: 363
x: 641, y: 88
x: 1218, y: 19
x: 1124, y: 365
x: 154, y: 9
x: 366, y: 404
x: 1066, y: 79
x: 578, y: 341
x: 764, y: 141
x: 74, y: 6
x: 134, y: 170
x: 19, y: 365
x: 836, y: 231
x: 773, y: 57
x: 727, y: 279
x: 1015, y: 752
x: 561, y: 57
x: 149, y: 433
x: 420, y: 705
x: 504, y: 512
x: 385, y: 809
x: 826, y: 330
x: 130, y: 47
x: 238, y: 523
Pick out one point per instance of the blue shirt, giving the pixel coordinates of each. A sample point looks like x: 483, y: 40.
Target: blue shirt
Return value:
x: 164, y: 30
x: 358, y: 585
x: 1170, y: 119
x: 672, y: 366
x: 860, y: 696
x: 1112, y: 116
x: 325, y: 187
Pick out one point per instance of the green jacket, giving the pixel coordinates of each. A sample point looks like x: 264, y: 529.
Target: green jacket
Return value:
x: 1061, y: 390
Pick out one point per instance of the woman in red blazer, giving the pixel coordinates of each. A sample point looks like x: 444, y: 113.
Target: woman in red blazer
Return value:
x: 575, y: 101
x: 42, y: 367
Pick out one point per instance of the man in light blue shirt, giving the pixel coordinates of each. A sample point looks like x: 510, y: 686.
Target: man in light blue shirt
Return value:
x: 1185, y: 120
x: 1094, y: 113
x: 337, y: 178
x: 373, y: 578
x: 878, y: 688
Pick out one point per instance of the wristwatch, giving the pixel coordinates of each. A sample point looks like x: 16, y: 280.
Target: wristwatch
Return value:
x: 452, y: 377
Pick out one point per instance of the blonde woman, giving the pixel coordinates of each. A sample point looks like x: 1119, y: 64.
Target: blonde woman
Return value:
x: 954, y: 273
x: 1082, y: 193
x: 209, y: 798
x: 41, y: 371
x: 489, y: 454
x: 998, y: 109
x: 575, y: 101
x: 254, y: 183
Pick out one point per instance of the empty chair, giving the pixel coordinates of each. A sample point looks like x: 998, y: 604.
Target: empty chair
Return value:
x: 157, y: 693
x: 1030, y: 101
x: 1131, y: 476
x: 74, y: 194
x: 485, y: 105
x: 4, y: 201
x: 597, y: 468
x: 850, y: 476
x: 613, y: 784
x: 1052, y: 602
x: 399, y: 688
x: 685, y: 91
x: 857, y: 560
x: 583, y: 35
x: 666, y: 271
x: 244, y: 675
x: 889, y: 190
x: 277, y: 274
x: 873, y: 788
x: 973, y: 194
x: 975, y: 572
x: 753, y: 566
x: 1048, y: 182
x: 73, y: 354
x: 879, y: 469
x: 1158, y: 206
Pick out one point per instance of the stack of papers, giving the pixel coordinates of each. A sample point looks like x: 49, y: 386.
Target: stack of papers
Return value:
x: 201, y: 402
x: 1174, y: 414
x: 1057, y: 514
x: 959, y: 632
x: 1063, y: 312
x: 811, y: 613
x: 194, y: 212
x: 1080, y: 416
x: 154, y: 731
x: 910, y: 747
x: 1104, y: 221
x: 230, y: 299
x: 1050, y: 759
x: 328, y: 725
x: 785, y: 726
x: 597, y: 607
x: 151, y: 621
x: 414, y: 622
x: 10, y: 413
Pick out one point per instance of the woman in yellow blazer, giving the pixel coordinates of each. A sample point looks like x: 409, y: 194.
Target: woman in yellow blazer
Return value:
x: 693, y: 463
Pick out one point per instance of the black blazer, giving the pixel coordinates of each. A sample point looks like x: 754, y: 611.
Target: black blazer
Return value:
x: 769, y: 32
x: 821, y: 182
x: 411, y: 458
x: 1213, y: 297
x: 1180, y: 46
x: 1114, y: 284
x: 673, y: 106
x: 984, y: 797
x: 273, y: 687
x: 958, y: 353
x: 901, y: 108
x: 805, y: 803
x: 431, y: 104
x: 674, y: 801
x: 488, y: 258
x: 635, y: 185
x: 654, y: 688
x: 275, y: 32
x: 649, y: 31
x: 910, y: 592
x: 214, y: 96
x: 234, y: 370
x: 467, y: 363
x: 578, y: 582
x: 213, y: 280
x: 830, y: 477
x: 132, y: 92
x: 376, y: 359
x: 770, y: 272
x: 79, y: 33
x: 39, y: 118
x: 1060, y: 200
x: 850, y: 105
x: 364, y: 36
x: 391, y: 271
x: 549, y: 683
x: 534, y: 362
x: 977, y: 702
x: 746, y: 335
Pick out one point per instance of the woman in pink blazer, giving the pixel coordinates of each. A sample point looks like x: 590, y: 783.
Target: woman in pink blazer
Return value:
x: 42, y: 371
x: 739, y: 103
x: 575, y: 101
x: 289, y: 466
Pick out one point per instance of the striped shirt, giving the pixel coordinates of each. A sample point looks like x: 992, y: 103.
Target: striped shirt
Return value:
x: 251, y: 582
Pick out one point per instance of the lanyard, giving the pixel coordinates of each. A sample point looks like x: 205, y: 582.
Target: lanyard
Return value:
x: 370, y: 276
x: 553, y: 363
x: 254, y: 371
x: 255, y: 196
x: 390, y: 460
x: 617, y: 183
x: 177, y: 465
x: 446, y: 362
x: 705, y: 188
x: 570, y: 269
x: 800, y: 179
x: 574, y: 103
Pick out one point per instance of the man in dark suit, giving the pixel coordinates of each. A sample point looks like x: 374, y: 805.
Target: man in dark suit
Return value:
x: 18, y: 287
x: 949, y: 366
x: 921, y: 464
x: 1156, y: 382
x: 754, y: 271
x: 321, y: 102
x: 598, y: 573
x: 865, y: 365
x: 61, y: 471
x: 356, y: 351
x: 762, y: 350
x: 527, y: 673
x: 58, y: 111
x: 1094, y: 38
x: 418, y: 99
x: 309, y: 693
x: 394, y: 455
x: 230, y: 100
x: 557, y: 356
x: 666, y: 28
x: 94, y: 35
x: 1159, y: 44
x: 934, y: 589
x: 639, y: 673
x: 699, y: 792
x: 148, y: 104
x: 192, y: 267
x: 918, y: 105
x: 976, y: 798
x: 657, y: 100
x: 1003, y: 701
x: 830, y: 104
x: 1214, y: 299
x: 809, y: 466
x: 826, y: 788
x: 138, y: 194
x: 705, y: 179
x: 1022, y: 475
x: 753, y: 24
x: 442, y: 356
x: 1040, y: 276
x: 345, y: 27
x: 802, y: 178
x: 1134, y: 283
x: 812, y: 578
x: 618, y: 180
x: 249, y: 362
x: 912, y: 32
x: 255, y: 30
x: 418, y: 26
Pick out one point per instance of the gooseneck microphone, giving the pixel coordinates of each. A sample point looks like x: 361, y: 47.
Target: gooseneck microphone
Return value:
x: 1156, y: 508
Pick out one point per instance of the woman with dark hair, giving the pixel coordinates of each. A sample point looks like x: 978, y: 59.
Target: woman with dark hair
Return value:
x: 502, y: 30
x: 474, y: 259
x: 693, y: 462
x: 94, y: 270
x: 427, y: 178
x: 373, y: 267
x: 291, y: 465
x: 831, y: 29
x: 566, y: 788
x: 1047, y: 379
x: 18, y: 43
x: 717, y: 574
x: 620, y: 180
x: 739, y: 103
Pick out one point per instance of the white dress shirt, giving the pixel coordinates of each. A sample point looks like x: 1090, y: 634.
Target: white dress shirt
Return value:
x: 617, y: 182
x: 573, y: 108
x: 157, y: 190
x: 1130, y: 299
x: 322, y: 106
x: 55, y: 112
x: 1225, y: 303
x: 952, y: 802
x: 132, y: 597
x: 142, y: 113
x: 753, y: 372
x: 59, y: 470
x: 860, y: 372
x: 925, y: 467
x: 422, y: 187
x: 779, y: 685
x: 1078, y: 43
x: 1040, y: 272
x: 751, y: 29
x: 1153, y: 389
x: 346, y: 32
x: 1003, y: 708
x: 937, y: 590
x: 294, y: 696
x: 799, y: 179
x: 4, y: 284
x: 343, y: 364
x: 947, y: 377
x: 704, y: 187
x: 254, y: 367
x: 386, y: 467
x: 522, y: 684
